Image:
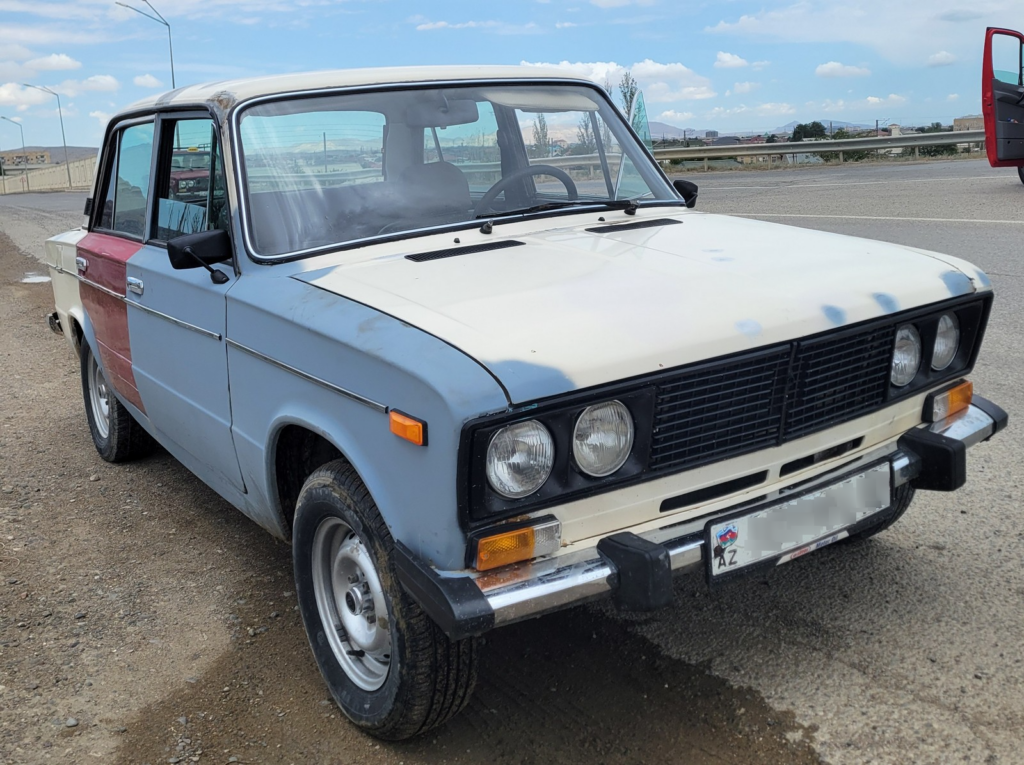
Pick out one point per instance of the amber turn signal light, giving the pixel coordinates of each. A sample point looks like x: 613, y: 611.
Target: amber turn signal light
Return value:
x: 939, y: 406
x: 518, y: 545
x: 409, y: 428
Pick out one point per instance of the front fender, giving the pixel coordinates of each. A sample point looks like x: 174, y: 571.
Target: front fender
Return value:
x: 295, y: 350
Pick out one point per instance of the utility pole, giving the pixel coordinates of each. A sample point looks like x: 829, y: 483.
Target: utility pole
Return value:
x: 159, y: 20
x: 60, y: 114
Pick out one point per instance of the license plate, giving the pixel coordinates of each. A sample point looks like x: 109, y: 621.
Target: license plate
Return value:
x: 794, y: 527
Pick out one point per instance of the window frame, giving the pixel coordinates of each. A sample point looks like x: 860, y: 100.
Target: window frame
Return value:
x: 241, y: 181
x: 164, y: 147
x: 111, y: 152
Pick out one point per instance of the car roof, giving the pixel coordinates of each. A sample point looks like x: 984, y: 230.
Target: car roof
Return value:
x: 224, y: 94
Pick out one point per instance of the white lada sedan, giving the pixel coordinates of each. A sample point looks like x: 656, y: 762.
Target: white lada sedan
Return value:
x: 454, y: 334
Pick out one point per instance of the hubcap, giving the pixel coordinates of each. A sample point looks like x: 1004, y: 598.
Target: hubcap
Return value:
x: 99, y: 398
x: 351, y: 603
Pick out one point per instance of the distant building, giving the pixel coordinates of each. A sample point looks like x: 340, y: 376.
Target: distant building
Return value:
x: 970, y: 122
x: 711, y: 134
x: 18, y: 158
x: 729, y: 140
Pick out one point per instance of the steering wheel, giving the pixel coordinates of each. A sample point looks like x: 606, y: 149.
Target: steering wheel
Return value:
x: 492, y: 193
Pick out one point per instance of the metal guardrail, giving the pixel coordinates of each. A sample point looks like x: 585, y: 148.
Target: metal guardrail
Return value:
x: 593, y: 161
x: 817, y: 147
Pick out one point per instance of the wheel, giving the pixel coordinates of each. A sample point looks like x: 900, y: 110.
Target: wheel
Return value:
x: 1020, y: 173
x: 116, y: 434
x: 388, y: 666
x: 901, y: 501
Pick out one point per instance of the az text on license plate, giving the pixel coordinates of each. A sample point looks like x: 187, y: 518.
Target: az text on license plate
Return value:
x: 791, y: 528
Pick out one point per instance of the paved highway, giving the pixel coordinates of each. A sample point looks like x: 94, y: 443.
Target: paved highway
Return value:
x: 906, y: 648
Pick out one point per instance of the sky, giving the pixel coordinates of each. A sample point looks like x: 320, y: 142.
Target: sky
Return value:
x: 729, y: 65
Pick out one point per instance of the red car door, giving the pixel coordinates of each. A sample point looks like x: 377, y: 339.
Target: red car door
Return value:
x: 1002, y: 97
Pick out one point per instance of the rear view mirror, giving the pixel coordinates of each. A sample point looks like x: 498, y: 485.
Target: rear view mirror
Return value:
x: 199, y: 249
x: 687, y: 190
x: 442, y: 112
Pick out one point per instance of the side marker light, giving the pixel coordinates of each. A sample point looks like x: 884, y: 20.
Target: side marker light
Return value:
x: 409, y: 428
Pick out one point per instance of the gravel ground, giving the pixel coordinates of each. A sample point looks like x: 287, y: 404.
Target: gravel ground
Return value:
x: 906, y: 648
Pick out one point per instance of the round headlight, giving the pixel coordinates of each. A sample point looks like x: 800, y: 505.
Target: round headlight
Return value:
x: 947, y: 341
x: 519, y: 459
x: 602, y: 438
x: 907, y: 358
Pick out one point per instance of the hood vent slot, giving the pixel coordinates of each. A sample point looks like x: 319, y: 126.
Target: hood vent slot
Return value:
x: 452, y: 252
x: 633, y: 226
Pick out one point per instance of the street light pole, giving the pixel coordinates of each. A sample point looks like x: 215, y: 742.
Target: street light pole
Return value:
x: 21, y: 128
x: 159, y: 20
x: 60, y: 114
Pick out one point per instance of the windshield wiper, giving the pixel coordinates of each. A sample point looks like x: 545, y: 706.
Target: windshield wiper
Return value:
x: 630, y: 207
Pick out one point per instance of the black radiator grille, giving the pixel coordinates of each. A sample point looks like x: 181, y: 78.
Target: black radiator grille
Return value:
x: 724, y: 410
x: 713, y: 413
x: 837, y: 380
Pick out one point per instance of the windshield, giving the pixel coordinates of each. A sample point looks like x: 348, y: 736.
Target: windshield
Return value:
x: 343, y: 168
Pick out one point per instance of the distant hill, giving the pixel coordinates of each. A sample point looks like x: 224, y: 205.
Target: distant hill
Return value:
x: 663, y: 130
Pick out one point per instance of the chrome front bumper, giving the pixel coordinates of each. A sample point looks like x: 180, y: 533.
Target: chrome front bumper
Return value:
x: 464, y: 605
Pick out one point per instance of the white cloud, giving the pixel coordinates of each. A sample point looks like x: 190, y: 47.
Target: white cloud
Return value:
x: 891, y: 99
x: 564, y: 25
x: 672, y: 116
x: 952, y: 96
x: 147, y: 81
x: 761, y: 110
x: 500, y: 27
x: 902, y: 31
x: 102, y: 117
x: 729, y: 61
x: 98, y: 82
x: 661, y: 83
x: 757, y: 66
x: 14, y: 52
x: 835, y: 69
x: 942, y: 58
x: 745, y: 87
x: 12, y: 94
x: 55, y: 62
x: 774, y: 109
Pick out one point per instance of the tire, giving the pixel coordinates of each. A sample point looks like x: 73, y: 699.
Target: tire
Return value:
x: 1020, y: 174
x: 115, y: 433
x: 397, y: 676
x: 901, y: 501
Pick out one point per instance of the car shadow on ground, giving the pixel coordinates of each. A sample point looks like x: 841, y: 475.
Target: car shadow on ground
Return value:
x: 574, y: 687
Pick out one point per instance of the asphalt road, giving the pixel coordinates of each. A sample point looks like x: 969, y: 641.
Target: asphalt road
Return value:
x: 906, y: 648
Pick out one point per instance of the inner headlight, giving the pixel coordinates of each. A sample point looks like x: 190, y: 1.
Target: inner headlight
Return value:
x: 519, y: 459
x: 907, y: 358
x: 602, y: 438
x: 947, y: 341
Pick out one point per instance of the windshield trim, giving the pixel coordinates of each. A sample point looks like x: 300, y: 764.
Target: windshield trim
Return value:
x: 243, y: 188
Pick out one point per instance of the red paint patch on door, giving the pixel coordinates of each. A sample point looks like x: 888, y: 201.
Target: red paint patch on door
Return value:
x: 106, y: 257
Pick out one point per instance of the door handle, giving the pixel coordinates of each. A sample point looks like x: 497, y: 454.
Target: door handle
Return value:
x: 81, y: 263
x: 135, y: 285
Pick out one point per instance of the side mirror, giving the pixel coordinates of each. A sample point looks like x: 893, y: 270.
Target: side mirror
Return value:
x: 687, y: 190
x: 200, y: 249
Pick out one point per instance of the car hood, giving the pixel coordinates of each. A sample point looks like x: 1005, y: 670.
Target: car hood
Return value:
x: 572, y: 308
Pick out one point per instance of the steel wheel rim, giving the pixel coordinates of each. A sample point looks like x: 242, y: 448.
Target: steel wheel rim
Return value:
x: 351, y: 603
x: 99, y: 398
